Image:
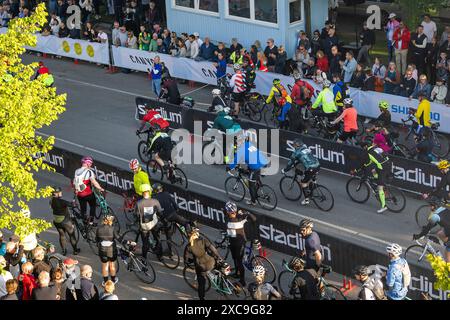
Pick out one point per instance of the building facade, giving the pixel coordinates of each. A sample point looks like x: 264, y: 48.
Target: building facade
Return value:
x: 248, y: 20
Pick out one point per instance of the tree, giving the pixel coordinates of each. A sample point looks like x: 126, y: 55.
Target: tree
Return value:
x: 26, y: 105
x: 441, y: 271
x: 412, y: 10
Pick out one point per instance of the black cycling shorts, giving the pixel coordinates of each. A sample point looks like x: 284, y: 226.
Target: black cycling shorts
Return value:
x: 238, y: 97
x: 383, y: 177
x: 344, y: 136
x: 108, y: 255
x: 309, y: 175
x: 164, y: 154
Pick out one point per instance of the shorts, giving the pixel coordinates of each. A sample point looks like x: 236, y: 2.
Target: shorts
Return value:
x: 238, y: 97
x: 383, y: 177
x: 166, y: 155
x: 347, y: 135
x: 310, y: 174
x: 109, y: 255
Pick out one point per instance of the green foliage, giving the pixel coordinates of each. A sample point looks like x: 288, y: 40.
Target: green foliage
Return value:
x: 441, y: 271
x: 412, y: 10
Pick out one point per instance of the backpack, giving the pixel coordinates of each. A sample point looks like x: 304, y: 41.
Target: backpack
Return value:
x: 149, y: 219
x: 406, y: 274
x: 78, y: 181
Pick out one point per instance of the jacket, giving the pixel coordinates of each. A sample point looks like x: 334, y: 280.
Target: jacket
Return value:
x: 326, y: 99
x: 247, y: 153
x: 322, y: 64
x: 298, y: 95
x: 404, y: 37
x: 276, y: 91
x: 304, y: 156
x: 349, y: 67
x: 340, y: 92
x: 139, y: 179
x: 425, y: 88
x: 394, y: 280
x: 423, y: 113
x: 225, y: 123
x: 207, y: 52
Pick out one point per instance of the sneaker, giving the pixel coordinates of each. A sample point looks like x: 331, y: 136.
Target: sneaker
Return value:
x: 250, y: 203
x: 305, y: 202
x: 382, y: 210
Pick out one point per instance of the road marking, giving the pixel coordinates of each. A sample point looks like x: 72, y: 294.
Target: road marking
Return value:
x: 329, y: 225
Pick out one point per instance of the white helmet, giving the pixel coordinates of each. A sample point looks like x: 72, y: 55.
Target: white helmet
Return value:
x: 226, y: 110
x: 237, y: 66
x: 394, y: 249
x: 326, y: 83
x: 218, y: 108
x: 216, y: 92
x: 258, y: 271
x: 348, y: 102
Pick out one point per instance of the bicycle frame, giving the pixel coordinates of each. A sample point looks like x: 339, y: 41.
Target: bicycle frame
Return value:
x: 217, y: 279
x: 101, y: 201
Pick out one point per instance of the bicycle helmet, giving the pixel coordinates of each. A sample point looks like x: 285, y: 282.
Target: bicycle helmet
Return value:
x: 383, y: 105
x: 306, y: 223
x: 394, y: 249
x: 298, y: 143
x: 157, y: 187
x: 237, y: 66
x: 348, y: 102
x: 361, y: 271
x: 57, y: 189
x: 87, y: 160
x: 443, y: 165
x: 276, y: 81
x: 216, y: 92
x: 146, y: 188
x: 259, y: 271
x: 326, y: 83
x: 230, y: 207
x: 297, y: 263
x: 134, y: 164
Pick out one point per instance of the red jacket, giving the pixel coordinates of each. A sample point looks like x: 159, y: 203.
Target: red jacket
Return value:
x: 297, y: 92
x: 154, y: 118
x: 28, y: 283
x: 405, y: 38
x: 322, y: 64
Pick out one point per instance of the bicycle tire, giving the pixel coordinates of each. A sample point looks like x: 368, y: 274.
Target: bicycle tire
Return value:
x: 359, y: 186
x: 333, y: 293
x: 179, y: 178
x: 130, y: 235
x: 231, y: 185
x: 224, y: 251
x: 270, y: 119
x: 319, y: 197
x: 395, y: 199
x: 285, y: 279
x: 441, y: 145
x: 174, y: 231
x: 171, y: 261
x: 190, y: 277
x: 421, y: 216
x: 188, y: 259
x: 421, y: 260
x: 266, y: 197
x: 76, y: 229
x: 271, y: 272
x: 143, y: 151
x: 288, y: 188
x: 143, y: 269
x: 254, y: 111
x: 154, y: 170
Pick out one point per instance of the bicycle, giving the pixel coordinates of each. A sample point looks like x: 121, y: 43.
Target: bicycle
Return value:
x: 144, y: 145
x: 291, y: 189
x: 359, y: 187
x: 129, y: 207
x: 271, y: 116
x: 327, y: 291
x: 423, y: 214
x: 424, y: 246
x: 174, y: 174
x: 53, y: 258
x: 105, y: 209
x: 83, y: 227
x: 236, y: 187
x: 219, y: 279
x: 250, y: 259
x: 214, y: 144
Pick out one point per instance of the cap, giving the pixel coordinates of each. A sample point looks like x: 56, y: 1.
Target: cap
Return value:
x: 392, y: 15
x: 70, y: 261
x: 196, y: 34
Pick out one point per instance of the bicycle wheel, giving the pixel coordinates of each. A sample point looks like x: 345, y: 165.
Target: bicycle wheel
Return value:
x: 333, y: 293
x: 418, y: 255
x: 271, y: 273
x: 254, y: 111
x: 143, y: 151
x: 188, y: 259
x: 441, y: 145
x: 143, y: 269
x: 270, y: 119
x: 174, y: 230
x: 266, y: 197
x: 190, y: 276
x: 76, y: 229
x: 357, y: 190
x: 130, y: 235
x: 235, y: 189
x: 422, y: 215
x: 179, y: 178
x: 323, y: 198
x: 290, y: 188
x: 170, y: 256
x: 395, y: 199
x: 224, y: 251
x: 285, y: 279
x: 154, y: 170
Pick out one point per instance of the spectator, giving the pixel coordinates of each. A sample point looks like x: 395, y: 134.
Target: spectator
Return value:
x: 153, y: 47
x: 144, y: 41
x: 166, y: 37
x: 59, y: 283
x: 253, y: 53
x: 358, y: 77
x: 431, y: 59
x: 422, y: 86
x: 369, y: 81
x: 72, y: 274
x: 4, y: 16
x: 13, y: 256
x: 89, y: 33
x: 43, y: 291
x: 61, y: 10
x: 161, y: 46
x: 157, y: 29
x: 390, y: 28
x: 280, y: 64
x: 301, y: 57
x: 446, y: 46
x: 132, y: 17
x: 419, y: 45
x: 310, y: 69
x: 28, y: 280
x: 132, y: 41
x: 197, y: 39
x: 63, y: 32
x: 442, y: 66
x: 194, y: 52
x: 271, y: 53
x: 392, y: 79
x: 153, y: 15
x: 2, y: 245
x: 89, y: 290
x: 413, y: 68
x: 322, y: 61
x: 38, y: 262
x: 173, y: 45
x: 330, y: 41
x: 304, y: 41
x: 206, y: 51
x: 315, y: 43
x: 222, y: 49
x: 11, y: 290
x: 182, y: 52
x: 108, y: 293
x: 236, y: 57
x: 156, y: 73
x: 102, y: 37
x: 445, y: 35
x: 379, y: 71
x: 5, y: 275
x: 235, y: 45
x: 401, y: 38
x: 319, y: 76
x: 261, y: 63
x: 348, y: 66
x: 429, y: 28
x: 335, y: 66
x: 367, y: 42
x: 115, y: 33
x: 325, y: 30
x: 121, y: 40
x: 439, y: 92
x: 407, y: 85
x: 55, y: 22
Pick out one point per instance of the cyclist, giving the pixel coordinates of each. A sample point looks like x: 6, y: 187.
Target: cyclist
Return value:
x: 260, y: 290
x: 381, y: 138
x: 423, y: 112
x: 255, y: 160
x: 235, y: 229
x: 225, y: 123
x: 62, y: 221
x: 301, y: 95
x: 217, y: 100
x: 238, y: 86
x: 276, y: 92
x: 441, y: 189
x: 250, y: 75
x: 350, y: 118
x: 44, y: 72
x: 326, y: 99
x: 140, y: 177
x: 424, y: 146
x: 161, y: 145
x: 384, y: 118
x: 147, y: 209
x: 312, y: 251
x: 377, y: 162
x: 84, y: 182
x: 398, y: 275
x: 106, y: 236
x: 282, y: 117
x: 153, y: 118
x: 305, y: 281
x: 205, y: 256
x: 372, y: 287
x: 303, y: 155
x: 340, y: 91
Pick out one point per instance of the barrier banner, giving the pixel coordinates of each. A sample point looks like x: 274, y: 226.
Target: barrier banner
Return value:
x: 273, y: 233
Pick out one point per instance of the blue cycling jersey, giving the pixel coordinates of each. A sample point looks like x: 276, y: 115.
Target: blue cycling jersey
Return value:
x: 248, y: 154
x: 394, y: 280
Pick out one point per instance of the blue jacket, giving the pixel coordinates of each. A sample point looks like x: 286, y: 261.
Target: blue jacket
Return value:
x: 2, y: 249
x: 394, y: 280
x: 251, y: 156
x: 207, y: 53
x: 284, y: 112
x: 427, y: 89
x: 157, y: 71
x: 221, y: 68
x: 304, y: 156
x: 349, y: 68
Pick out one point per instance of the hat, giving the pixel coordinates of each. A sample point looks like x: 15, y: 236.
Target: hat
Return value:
x: 196, y: 34
x: 392, y: 15
x: 70, y: 261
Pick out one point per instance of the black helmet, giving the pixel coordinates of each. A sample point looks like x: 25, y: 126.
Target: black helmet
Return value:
x: 306, y: 223
x: 361, y: 271
x: 57, y: 189
x: 364, y: 144
x: 297, y: 263
x: 298, y: 143
x: 157, y: 187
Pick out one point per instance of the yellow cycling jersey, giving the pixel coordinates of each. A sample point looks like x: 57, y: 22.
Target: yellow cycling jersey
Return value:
x: 139, y: 179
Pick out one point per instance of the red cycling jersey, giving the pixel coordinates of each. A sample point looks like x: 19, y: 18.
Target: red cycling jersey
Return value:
x: 154, y: 118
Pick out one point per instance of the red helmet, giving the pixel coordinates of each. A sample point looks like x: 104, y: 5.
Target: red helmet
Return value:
x: 87, y: 160
x: 134, y: 164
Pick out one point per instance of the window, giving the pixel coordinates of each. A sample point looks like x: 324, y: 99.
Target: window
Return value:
x: 210, y: 6
x: 261, y: 11
x: 295, y: 11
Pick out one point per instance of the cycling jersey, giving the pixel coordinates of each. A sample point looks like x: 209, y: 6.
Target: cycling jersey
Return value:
x: 340, y: 92
x: 161, y: 142
x: 394, y: 279
x: 237, y: 82
x: 423, y: 113
x: 87, y: 175
x: 154, y: 118
x: 105, y: 237
x: 298, y: 92
x: 60, y: 210
x: 385, y: 119
x: 371, y: 288
x: 440, y: 190
x: 226, y: 123
x: 377, y: 158
x: 312, y: 244
x: 167, y: 203
x: 326, y: 99
x: 305, y: 282
x: 440, y: 216
x: 305, y: 157
x: 350, y: 117
x: 140, y: 178
x: 261, y: 291
x: 278, y: 92
x: 235, y: 226
x: 147, y: 211
x: 250, y: 155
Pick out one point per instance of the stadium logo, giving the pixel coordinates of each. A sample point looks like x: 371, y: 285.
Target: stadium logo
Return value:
x: 321, y: 153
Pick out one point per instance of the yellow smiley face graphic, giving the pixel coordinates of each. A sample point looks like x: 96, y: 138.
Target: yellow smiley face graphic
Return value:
x: 66, y: 46
x: 78, y: 48
x: 90, y: 51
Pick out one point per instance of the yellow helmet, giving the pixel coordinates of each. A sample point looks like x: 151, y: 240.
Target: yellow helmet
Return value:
x: 443, y: 165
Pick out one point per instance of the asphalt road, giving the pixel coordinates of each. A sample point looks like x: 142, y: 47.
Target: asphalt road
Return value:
x: 100, y: 121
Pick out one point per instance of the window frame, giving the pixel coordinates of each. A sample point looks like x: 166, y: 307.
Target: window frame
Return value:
x: 302, y: 20
x: 252, y: 18
x: 197, y: 9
